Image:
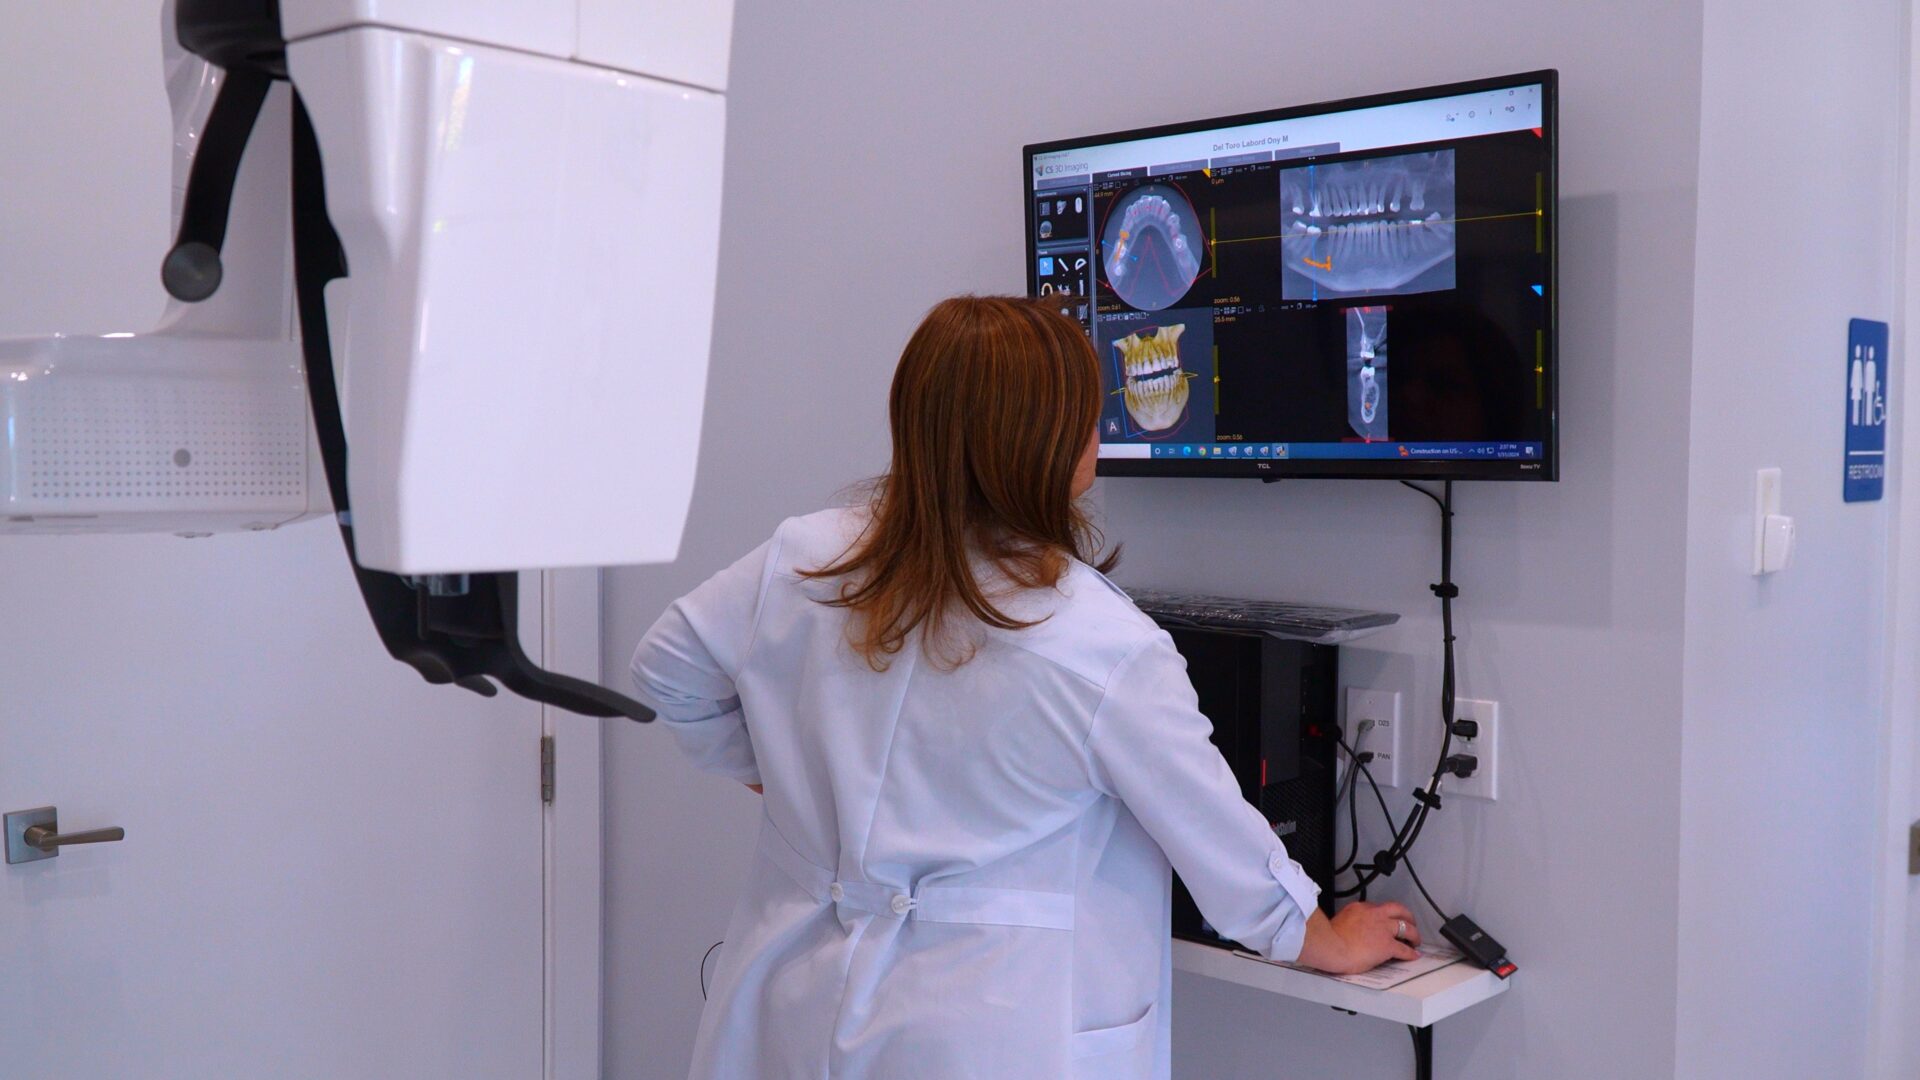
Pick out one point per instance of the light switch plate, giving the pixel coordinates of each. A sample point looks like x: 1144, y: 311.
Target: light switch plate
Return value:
x: 1766, y: 503
x: 1485, y: 748
x: 1383, y: 739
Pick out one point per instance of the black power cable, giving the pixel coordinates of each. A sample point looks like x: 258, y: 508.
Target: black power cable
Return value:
x: 1459, y: 930
x: 1406, y: 859
x: 1347, y: 792
x: 703, y: 967
x: 1427, y: 798
x: 1360, y: 761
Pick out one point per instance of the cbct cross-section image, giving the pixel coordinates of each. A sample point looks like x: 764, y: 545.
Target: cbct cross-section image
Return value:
x: 1372, y: 227
x: 1367, y: 372
x: 1150, y: 246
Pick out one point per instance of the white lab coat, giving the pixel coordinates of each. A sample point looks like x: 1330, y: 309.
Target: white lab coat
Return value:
x: 960, y: 873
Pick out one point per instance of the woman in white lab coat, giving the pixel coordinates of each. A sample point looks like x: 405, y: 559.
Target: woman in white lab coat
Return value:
x: 978, y: 758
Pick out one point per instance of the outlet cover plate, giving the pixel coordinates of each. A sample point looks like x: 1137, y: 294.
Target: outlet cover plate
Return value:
x: 1485, y: 747
x: 1383, y: 739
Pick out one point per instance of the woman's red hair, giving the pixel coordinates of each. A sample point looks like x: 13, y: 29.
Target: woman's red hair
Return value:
x: 993, y: 404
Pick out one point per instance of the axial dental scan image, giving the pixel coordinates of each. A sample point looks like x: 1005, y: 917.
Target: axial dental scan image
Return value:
x: 1150, y: 247
x: 1367, y: 372
x: 1160, y: 377
x: 1371, y: 227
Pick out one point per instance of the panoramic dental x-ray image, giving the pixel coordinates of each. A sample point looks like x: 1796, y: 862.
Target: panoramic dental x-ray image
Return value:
x: 1368, y: 227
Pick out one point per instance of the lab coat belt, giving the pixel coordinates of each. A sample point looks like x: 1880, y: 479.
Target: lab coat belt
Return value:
x: 947, y: 904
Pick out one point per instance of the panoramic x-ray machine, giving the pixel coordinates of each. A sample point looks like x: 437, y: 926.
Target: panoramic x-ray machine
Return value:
x: 467, y: 255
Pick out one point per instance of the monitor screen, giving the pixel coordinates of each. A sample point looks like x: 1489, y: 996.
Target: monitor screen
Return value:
x: 1362, y: 288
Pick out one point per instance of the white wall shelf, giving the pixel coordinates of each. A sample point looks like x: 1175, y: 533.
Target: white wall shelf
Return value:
x: 1419, y: 1002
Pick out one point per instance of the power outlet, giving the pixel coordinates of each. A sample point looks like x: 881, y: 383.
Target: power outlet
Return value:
x: 1383, y: 738
x: 1484, y: 747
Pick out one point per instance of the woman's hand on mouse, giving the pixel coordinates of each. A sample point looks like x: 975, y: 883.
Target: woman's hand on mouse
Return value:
x: 1361, y: 937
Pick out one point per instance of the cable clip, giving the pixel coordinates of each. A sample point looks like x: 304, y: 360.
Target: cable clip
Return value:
x: 1420, y: 796
x: 1446, y: 590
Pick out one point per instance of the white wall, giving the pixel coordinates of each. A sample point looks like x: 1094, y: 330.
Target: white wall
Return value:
x: 57, y: 95
x: 1781, y: 744
x: 874, y: 167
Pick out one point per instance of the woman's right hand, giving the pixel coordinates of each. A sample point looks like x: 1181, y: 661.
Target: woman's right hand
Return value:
x: 1361, y: 937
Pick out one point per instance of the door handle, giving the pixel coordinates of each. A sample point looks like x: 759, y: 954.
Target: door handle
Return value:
x: 47, y: 840
x: 35, y: 834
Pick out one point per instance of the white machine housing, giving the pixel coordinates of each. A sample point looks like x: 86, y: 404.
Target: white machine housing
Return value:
x: 528, y: 195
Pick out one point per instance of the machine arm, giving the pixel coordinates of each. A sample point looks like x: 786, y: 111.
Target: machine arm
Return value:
x: 459, y: 629
x: 191, y: 271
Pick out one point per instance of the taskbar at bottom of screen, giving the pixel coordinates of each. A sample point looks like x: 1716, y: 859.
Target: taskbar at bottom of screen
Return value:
x: 1328, y: 451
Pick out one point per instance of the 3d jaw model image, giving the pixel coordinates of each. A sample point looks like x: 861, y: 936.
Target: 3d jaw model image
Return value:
x: 1156, y: 389
x: 1368, y: 227
x: 1149, y: 246
x: 1367, y: 372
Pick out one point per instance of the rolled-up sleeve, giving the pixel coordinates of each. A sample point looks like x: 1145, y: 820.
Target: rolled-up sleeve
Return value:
x: 686, y: 665
x: 1149, y: 747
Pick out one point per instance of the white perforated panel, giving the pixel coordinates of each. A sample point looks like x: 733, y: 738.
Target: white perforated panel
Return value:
x: 107, y: 443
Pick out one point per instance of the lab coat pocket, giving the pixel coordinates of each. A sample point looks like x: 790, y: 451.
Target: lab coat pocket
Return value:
x: 1101, y: 1042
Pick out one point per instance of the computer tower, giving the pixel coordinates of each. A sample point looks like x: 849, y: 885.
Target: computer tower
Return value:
x: 1273, y: 705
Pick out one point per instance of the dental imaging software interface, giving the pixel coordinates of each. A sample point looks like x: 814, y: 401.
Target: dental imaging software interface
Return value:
x: 1355, y: 285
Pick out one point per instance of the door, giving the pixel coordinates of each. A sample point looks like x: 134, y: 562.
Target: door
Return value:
x: 330, y: 869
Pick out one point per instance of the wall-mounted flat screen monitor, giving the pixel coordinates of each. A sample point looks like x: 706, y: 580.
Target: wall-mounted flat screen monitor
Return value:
x: 1360, y: 288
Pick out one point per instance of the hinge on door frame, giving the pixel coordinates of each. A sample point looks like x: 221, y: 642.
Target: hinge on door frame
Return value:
x: 546, y: 769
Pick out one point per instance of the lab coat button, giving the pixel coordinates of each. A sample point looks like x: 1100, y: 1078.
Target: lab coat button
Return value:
x: 834, y: 890
x: 1276, y: 862
x: 902, y: 904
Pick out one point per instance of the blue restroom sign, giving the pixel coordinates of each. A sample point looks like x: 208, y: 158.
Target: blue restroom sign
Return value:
x: 1867, y: 379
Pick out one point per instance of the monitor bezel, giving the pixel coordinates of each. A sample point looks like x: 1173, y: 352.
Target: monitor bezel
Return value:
x: 1546, y: 469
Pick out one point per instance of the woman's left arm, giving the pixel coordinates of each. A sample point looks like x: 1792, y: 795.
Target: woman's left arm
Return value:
x: 686, y: 665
